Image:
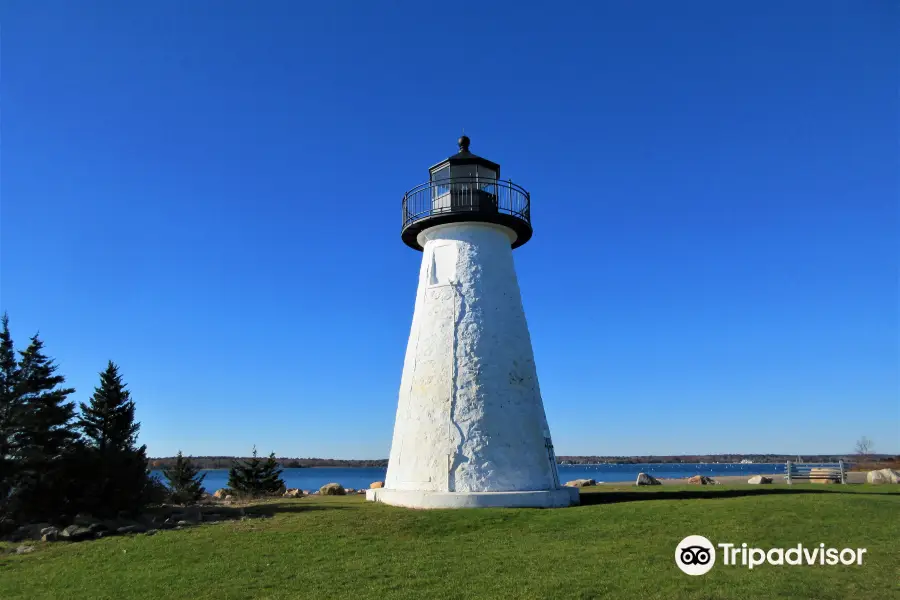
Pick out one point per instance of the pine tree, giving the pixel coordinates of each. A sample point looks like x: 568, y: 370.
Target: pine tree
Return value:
x: 253, y: 477
x: 184, y: 480
x: 45, y: 437
x: 118, y: 477
x: 271, y: 481
x: 10, y: 415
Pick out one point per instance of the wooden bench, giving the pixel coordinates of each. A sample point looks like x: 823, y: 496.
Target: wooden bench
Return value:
x: 815, y: 473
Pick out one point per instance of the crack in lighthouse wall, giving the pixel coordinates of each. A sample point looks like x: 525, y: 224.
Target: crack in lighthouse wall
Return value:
x: 470, y: 416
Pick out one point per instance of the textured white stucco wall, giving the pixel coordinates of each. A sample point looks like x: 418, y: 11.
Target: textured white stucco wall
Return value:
x: 470, y: 416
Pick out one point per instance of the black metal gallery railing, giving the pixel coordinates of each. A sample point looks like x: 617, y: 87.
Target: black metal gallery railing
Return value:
x: 483, y: 197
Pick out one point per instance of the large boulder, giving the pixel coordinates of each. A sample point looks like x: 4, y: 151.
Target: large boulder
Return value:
x: 76, y: 533
x: 759, y: 479
x: 701, y: 480
x: 332, y: 489
x: 644, y: 479
x: 580, y: 483
x: 293, y: 493
x: 376, y: 485
x: 220, y: 494
x: 883, y: 476
x: 49, y: 534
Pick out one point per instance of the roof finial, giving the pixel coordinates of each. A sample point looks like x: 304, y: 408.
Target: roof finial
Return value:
x: 463, y: 142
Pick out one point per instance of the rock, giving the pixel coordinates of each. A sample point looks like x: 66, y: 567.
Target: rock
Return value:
x: 644, y: 479
x: 24, y: 549
x: 579, y: 483
x: 183, y: 523
x: 229, y: 498
x: 293, y: 493
x: 758, y: 479
x: 332, y: 489
x: 98, y: 528
x: 376, y: 485
x: 150, y: 532
x: 701, y: 480
x: 221, y: 494
x: 76, y: 533
x: 49, y: 534
x: 883, y: 476
x: 360, y: 492
x: 131, y: 529
x: 350, y: 491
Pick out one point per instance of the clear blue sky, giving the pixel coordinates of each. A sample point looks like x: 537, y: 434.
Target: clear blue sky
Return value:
x: 208, y: 193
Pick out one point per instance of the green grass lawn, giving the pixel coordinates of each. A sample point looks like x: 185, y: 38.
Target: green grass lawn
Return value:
x: 620, y: 544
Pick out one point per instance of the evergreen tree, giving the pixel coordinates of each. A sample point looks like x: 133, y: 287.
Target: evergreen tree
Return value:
x: 10, y: 415
x: 45, y: 437
x: 253, y: 477
x: 271, y: 482
x: 117, y: 478
x: 184, y: 480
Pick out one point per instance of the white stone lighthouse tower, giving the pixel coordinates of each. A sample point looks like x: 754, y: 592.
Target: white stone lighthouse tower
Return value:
x: 470, y: 428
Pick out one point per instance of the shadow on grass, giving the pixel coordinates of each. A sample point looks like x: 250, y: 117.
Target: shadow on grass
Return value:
x: 272, y: 509
x: 260, y: 509
x: 601, y: 497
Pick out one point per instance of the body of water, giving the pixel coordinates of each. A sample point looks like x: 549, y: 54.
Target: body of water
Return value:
x: 352, y: 477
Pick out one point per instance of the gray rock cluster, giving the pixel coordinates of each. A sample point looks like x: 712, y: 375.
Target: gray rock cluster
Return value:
x: 86, y: 527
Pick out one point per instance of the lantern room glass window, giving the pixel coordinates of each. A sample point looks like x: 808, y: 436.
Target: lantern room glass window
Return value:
x: 443, y: 173
x: 463, y: 172
x: 486, y: 175
x: 440, y: 193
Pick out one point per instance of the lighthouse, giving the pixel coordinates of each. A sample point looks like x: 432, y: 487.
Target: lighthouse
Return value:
x: 470, y: 429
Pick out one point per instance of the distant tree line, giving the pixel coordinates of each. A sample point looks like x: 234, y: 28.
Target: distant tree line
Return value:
x: 226, y: 462
x: 709, y: 458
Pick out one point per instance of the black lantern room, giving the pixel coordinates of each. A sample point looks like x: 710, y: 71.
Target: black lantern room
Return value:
x: 466, y: 187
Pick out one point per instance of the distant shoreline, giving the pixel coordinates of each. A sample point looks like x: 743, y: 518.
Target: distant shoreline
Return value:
x: 213, y: 463
x: 225, y: 462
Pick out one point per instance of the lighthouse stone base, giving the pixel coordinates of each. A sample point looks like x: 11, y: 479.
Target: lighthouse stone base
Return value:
x: 558, y: 498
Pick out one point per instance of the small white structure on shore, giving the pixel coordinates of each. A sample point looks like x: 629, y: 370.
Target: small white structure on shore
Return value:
x: 470, y: 429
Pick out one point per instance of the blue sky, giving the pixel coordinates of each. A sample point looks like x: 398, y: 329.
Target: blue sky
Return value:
x: 208, y: 193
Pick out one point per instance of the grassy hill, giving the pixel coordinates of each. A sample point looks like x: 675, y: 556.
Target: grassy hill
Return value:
x: 620, y: 544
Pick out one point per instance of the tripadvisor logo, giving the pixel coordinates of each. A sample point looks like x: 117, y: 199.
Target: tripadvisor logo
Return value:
x: 696, y: 555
